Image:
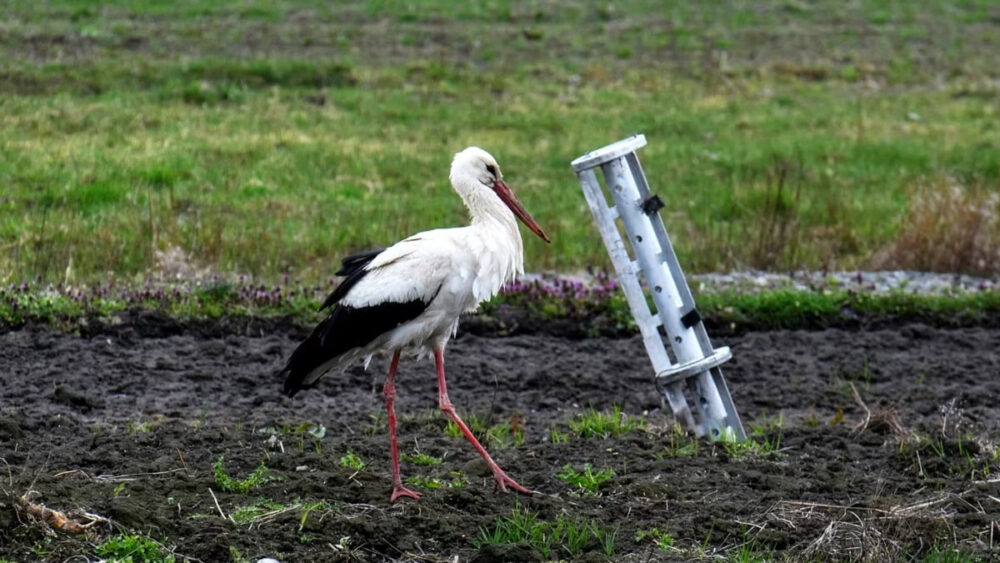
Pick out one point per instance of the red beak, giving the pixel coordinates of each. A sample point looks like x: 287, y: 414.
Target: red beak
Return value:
x: 512, y: 202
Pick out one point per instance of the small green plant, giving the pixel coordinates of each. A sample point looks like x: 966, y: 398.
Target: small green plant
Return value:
x: 422, y: 459
x: 765, y: 437
x: 587, y: 482
x: 452, y: 430
x: 236, y: 556
x: 310, y: 507
x: 811, y: 420
x: 557, y: 437
x: 522, y: 526
x: 473, y: 421
x: 136, y: 427
x: 352, y: 461
x: 119, y: 489
x: 251, y: 513
x: 505, y: 435
x: 502, y: 435
x: 680, y: 444
x: 606, y: 537
x: 432, y: 483
x: 377, y: 425
x: 429, y: 483
x: 939, y: 554
x: 663, y: 540
x: 227, y: 483
x: 749, y: 552
x: 457, y: 480
x: 598, y: 424
x: 125, y: 548
x: 568, y: 534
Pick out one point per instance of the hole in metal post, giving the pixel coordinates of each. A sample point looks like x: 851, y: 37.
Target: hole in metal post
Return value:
x: 678, y: 339
x: 638, y: 238
x: 658, y: 289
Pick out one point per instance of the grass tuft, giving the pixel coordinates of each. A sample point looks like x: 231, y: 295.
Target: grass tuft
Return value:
x: 663, y: 540
x: 603, y: 425
x: 352, y: 461
x: 249, y: 514
x: 227, y: 483
x: 565, y: 536
x: 422, y: 459
x: 948, y: 228
x: 125, y: 548
x: 586, y: 482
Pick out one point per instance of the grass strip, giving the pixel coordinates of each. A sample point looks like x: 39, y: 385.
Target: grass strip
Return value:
x: 595, y: 309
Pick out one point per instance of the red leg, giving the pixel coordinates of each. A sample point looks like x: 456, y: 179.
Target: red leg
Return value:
x: 389, y: 390
x: 448, y: 409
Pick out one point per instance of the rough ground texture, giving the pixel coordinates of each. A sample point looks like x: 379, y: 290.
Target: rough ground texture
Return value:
x: 126, y: 422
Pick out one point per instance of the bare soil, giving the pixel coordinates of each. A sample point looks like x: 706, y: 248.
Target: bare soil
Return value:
x: 126, y: 421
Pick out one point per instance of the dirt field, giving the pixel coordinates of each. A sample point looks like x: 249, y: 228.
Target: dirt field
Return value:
x: 126, y: 422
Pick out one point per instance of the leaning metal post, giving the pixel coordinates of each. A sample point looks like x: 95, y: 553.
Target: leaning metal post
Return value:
x: 696, y: 364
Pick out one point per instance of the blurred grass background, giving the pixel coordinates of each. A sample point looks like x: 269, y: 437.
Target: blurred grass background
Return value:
x: 270, y: 138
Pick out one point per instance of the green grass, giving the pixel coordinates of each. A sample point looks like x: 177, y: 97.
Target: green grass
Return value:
x: 125, y: 548
x: 601, y: 310
x: 508, y: 434
x: 421, y: 459
x: 586, y: 482
x: 352, y: 461
x: 593, y: 423
x: 939, y: 554
x: 258, y: 150
x: 663, y: 540
x: 434, y: 483
x: 251, y: 513
x: 566, y: 536
x: 764, y: 437
x: 257, y: 478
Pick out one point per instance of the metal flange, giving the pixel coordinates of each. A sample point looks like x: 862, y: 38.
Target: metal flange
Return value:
x: 611, y: 152
x: 688, y: 369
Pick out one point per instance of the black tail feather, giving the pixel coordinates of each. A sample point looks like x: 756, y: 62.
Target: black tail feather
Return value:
x: 345, y: 329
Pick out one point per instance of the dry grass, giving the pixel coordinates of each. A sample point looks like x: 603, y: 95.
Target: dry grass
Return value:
x: 948, y: 228
x: 872, y: 533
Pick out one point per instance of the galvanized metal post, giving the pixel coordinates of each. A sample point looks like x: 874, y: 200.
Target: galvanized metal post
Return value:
x: 695, y: 367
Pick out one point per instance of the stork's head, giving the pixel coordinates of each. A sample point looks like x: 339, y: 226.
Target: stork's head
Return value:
x: 476, y: 170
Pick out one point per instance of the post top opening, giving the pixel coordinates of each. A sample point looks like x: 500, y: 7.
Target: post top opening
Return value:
x: 606, y: 154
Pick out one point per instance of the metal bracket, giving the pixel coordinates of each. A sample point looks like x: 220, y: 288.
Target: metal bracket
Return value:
x: 695, y: 368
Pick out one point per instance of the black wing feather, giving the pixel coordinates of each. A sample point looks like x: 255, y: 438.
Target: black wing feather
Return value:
x: 344, y: 329
x: 353, y: 267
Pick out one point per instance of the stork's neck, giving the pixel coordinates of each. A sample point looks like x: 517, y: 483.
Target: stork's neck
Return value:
x: 494, y: 221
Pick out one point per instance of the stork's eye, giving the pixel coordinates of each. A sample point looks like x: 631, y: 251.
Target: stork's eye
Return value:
x: 491, y: 169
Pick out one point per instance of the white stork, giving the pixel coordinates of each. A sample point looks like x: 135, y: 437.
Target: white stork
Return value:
x: 409, y: 296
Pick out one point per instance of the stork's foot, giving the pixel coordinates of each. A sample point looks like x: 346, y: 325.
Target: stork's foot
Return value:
x: 503, y: 481
x: 401, y: 491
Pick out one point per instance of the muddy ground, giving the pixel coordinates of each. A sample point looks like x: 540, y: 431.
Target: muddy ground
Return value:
x: 125, y: 422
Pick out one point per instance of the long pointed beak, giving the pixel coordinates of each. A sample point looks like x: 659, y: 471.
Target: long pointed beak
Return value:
x: 512, y: 202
